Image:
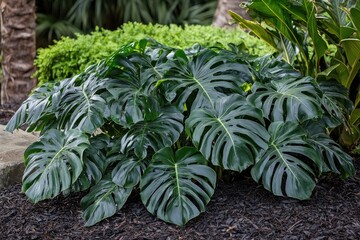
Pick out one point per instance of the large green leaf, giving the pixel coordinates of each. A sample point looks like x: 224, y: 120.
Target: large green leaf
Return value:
x: 95, y: 163
x: 176, y: 187
x: 294, y: 8
x: 82, y: 106
x: 103, y: 200
x: 319, y: 44
x: 288, y: 50
x: 230, y: 134
x: 336, y: 159
x: 38, y: 108
x: 334, y: 20
x: 157, y: 133
x: 336, y: 103
x: 289, y: 166
x: 53, y: 163
x: 132, y: 80
x: 206, y: 76
x: 352, y: 50
x: 287, y: 99
x: 278, y: 18
x: 265, y: 69
x: 128, y: 171
x: 255, y: 28
x: 355, y: 17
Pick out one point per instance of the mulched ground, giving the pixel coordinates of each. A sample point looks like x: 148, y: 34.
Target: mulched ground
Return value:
x: 239, y: 209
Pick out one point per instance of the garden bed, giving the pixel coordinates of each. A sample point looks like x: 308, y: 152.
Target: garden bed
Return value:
x: 239, y: 209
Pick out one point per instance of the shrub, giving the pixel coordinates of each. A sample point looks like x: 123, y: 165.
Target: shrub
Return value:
x: 159, y: 118
x: 72, y: 56
x: 57, y: 18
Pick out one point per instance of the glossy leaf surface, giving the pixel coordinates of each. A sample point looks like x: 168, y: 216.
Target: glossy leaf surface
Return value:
x: 287, y: 99
x: 334, y: 157
x: 206, y: 75
x: 229, y: 135
x: 103, y: 200
x: 289, y: 166
x: 53, y: 163
x: 177, y: 186
x: 162, y: 131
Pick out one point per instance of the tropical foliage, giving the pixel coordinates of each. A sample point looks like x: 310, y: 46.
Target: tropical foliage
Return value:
x: 69, y: 57
x: 56, y: 18
x: 319, y: 38
x: 157, y: 119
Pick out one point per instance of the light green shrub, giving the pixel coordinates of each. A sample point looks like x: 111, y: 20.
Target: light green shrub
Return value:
x: 72, y: 56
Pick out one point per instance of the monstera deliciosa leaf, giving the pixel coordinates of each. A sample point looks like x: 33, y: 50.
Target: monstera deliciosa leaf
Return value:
x: 335, y: 159
x: 206, y: 76
x: 131, y: 84
x: 36, y: 108
x: 177, y: 186
x: 95, y: 163
x: 335, y: 102
x: 128, y: 171
x: 103, y: 200
x: 82, y: 106
x: 266, y: 68
x: 132, y: 75
x: 157, y: 133
x: 290, y: 165
x: 287, y: 99
x: 230, y: 134
x: 53, y: 163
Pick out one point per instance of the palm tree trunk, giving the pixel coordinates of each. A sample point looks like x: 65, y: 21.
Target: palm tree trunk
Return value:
x: 222, y: 18
x: 18, y: 49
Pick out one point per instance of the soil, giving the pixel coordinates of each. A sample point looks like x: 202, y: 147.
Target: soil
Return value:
x: 239, y: 209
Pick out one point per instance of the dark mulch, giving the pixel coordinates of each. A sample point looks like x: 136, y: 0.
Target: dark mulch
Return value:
x: 6, y: 112
x: 240, y: 209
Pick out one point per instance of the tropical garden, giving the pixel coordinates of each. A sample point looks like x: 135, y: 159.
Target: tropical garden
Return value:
x: 145, y: 103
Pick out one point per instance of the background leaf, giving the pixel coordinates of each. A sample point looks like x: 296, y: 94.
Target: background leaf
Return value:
x: 335, y: 102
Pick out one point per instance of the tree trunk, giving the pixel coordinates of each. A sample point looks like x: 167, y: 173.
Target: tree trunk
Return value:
x: 222, y: 17
x: 18, y: 49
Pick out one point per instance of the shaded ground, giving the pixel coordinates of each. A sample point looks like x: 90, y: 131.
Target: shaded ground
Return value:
x: 240, y: 209
x: 6, y: 111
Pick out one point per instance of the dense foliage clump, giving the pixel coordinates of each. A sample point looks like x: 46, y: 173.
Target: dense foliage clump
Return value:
x: 56, y: 18
x: 72, y: 56
x: 320, y: 39
x: 157, y: 119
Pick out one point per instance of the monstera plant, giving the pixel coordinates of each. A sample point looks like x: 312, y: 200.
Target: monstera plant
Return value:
x: 157, y: 120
